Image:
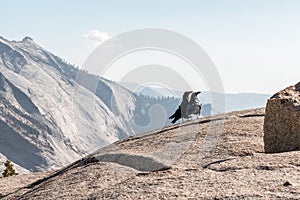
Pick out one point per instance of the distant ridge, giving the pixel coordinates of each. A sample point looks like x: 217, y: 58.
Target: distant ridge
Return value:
x: 233, y: 102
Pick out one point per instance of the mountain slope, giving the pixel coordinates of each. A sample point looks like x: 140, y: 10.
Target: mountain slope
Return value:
x: 56, y: 113
x: 50, y: 118
x: 41, y: 116
x: 176, y: 162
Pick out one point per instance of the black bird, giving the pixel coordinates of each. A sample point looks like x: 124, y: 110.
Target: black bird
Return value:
x: 181, y: 110
x: 194, y: 105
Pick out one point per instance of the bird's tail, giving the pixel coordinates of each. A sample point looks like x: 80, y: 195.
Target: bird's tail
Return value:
x: 172, y: 116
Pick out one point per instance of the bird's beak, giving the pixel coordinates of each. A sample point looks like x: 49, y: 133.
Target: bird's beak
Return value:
x: 198, y: 93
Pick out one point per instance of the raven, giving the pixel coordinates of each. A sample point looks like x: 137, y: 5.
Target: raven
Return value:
x: 181, y: 110
x: 194, y: 105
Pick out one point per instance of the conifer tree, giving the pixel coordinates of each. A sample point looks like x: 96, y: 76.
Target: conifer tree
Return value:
x: 9, y: 169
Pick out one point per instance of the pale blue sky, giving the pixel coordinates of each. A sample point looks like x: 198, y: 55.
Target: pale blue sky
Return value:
x: 255, y: 44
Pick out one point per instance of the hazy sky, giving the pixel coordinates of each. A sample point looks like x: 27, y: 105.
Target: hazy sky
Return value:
x: 255, y: 44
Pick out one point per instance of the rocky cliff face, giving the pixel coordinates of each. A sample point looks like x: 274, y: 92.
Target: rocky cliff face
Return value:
x: 282, y: 121
x: 50, y: 113
x: 192, y: 160
x: 46, y: 120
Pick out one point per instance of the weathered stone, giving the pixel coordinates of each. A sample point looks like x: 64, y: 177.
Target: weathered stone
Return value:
x: 282, y: 121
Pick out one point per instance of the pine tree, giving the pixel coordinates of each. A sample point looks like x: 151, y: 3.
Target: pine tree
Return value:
x: 9, y: 169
